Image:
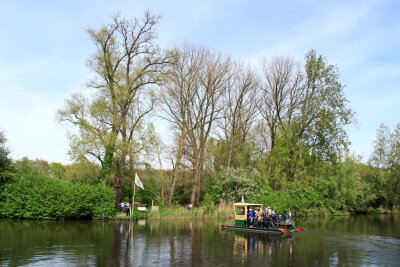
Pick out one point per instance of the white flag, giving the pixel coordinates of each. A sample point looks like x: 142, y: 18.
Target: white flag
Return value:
x: 138, y: 182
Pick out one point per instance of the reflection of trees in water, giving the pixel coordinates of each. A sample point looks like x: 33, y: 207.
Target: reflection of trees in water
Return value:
x: 156, y: 243
x: 25, y: 242
x: 190, y: 243
x: 204, y: 244
x: 374, y: 224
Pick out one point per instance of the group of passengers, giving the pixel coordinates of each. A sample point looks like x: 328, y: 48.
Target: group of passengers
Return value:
x: 267, y: 218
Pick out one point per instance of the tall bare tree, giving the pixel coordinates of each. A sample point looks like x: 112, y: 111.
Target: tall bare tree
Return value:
x: 204, y: 110
x: 239, y: 109
x: 177, y: 96
x: 191, y: 99
x: 281, y: 94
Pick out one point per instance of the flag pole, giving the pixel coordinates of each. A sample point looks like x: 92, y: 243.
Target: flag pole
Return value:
x: 133, y: 198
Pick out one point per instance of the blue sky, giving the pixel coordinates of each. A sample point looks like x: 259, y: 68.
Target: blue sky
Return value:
x: 44, y: 48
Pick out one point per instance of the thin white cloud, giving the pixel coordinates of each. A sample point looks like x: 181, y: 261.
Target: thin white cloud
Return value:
x: 325, y: 30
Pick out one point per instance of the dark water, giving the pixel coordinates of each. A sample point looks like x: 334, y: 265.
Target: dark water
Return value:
x: 338, y: 241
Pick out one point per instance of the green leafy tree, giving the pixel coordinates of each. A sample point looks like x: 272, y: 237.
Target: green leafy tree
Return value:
x: 4, y: 153
x: 306, y: 113
x: 386, y: 155
x: 231, y: 184
x: 57, y: 170
x: 352, y: 191
x: 324, y: 113
x: 82, y: 171
x: 127, y: 66
x: 5, y: 161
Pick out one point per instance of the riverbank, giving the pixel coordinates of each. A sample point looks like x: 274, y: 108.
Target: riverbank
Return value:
x: 207, y: 213
x: 217, y: 212
x: 227, y: 212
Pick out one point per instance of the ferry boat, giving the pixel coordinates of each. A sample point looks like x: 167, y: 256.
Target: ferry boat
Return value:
x: 244, y: 222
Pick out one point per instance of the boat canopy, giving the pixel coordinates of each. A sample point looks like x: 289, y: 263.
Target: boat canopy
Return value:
x: 241, y: 211
x: 240, y: 204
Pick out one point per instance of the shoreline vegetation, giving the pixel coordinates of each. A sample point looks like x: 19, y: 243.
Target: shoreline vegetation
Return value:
x: 203, y: 213
x: 227, y: 213
x: 27, y: 192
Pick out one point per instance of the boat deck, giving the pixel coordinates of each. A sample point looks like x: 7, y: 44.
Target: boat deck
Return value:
x: 231, y: 227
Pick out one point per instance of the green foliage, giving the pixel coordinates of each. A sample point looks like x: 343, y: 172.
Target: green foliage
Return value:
x: 221, y: 211
x: 208, y: 200
x: 384, y: 154
x: 147, y: 194
x: 41, y: 166
x: 137, y: 215
x: 107, y: 165
x: 386, y: 159
x: 5, y: 161
x: 351, y: 188
x: 57, y: 170
x: 82, y: 171
x: 231, y: 184
x: 6, y: 169
x: 6, y: 176
x: 298, y: 197
x: 54, y: 170
x: 286, y: 160
x: 35, y: 196
x: 325, y: 134
x: 155, y: 183
x: 242, y: 158
x: 182, y: 194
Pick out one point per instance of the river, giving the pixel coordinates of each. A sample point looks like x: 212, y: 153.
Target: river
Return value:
x: 359, y: 240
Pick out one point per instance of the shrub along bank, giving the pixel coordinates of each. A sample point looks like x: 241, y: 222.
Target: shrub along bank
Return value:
x: 32, y: 195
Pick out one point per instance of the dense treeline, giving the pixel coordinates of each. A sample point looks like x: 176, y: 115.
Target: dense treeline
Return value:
x: 34, y: 188
x: 277, y: 136
x: 274, y: 133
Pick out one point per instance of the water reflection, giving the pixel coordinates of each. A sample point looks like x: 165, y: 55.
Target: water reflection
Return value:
x: 380, y: 224
x: 355, y: 241
x: 261, y: 245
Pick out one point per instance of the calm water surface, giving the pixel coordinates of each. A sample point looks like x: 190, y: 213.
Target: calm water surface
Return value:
x: 344, y: 241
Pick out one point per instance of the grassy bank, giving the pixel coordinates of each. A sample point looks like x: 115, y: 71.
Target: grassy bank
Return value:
x: 221, y: 211
x: 226, y: 211
x: 216, y: 212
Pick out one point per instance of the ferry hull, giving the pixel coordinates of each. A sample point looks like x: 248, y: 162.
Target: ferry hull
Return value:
x: 252, y: 230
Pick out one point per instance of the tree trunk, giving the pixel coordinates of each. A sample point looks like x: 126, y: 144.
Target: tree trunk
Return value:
x: 193, y: 198
x: 196, y: 189
x: 106, y: 166
x: 120, y: 179
x: 121, y: 165
x: 176, y: 169
x: 230, y: 152
x: 200, y: 180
